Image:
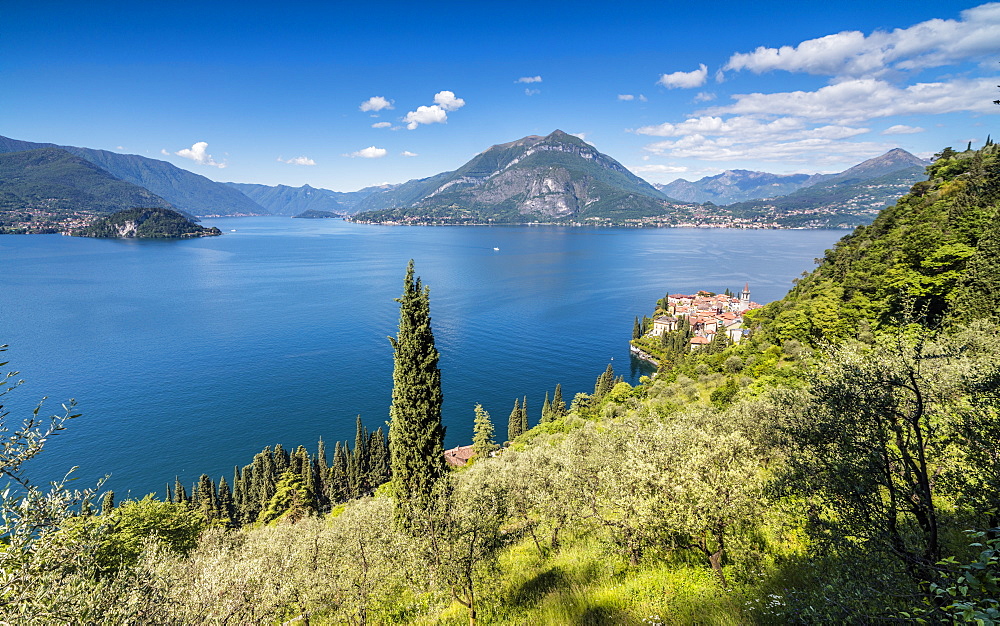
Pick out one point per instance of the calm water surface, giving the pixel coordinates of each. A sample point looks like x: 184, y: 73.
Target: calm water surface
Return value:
x: 191, y: 356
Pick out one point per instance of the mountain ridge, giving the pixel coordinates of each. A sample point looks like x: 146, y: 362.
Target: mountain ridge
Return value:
x: 185, y: 190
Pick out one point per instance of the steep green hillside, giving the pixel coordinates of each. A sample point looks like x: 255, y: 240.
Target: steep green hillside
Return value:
x: 932, y: 256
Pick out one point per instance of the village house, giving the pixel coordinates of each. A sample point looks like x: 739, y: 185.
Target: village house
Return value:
x: 707, y: 315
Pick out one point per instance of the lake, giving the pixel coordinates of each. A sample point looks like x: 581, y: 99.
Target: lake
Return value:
x: 190, y: 356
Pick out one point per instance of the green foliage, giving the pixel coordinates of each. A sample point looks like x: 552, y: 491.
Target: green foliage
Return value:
x: 969, y: 592
x: 416, y: 435
x: 291, y: 501
x: 483, y: 444
x: 514, y: 426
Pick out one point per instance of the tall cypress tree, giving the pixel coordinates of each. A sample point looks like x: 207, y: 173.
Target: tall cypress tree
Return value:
x: 636, y: 329
x: 558, y: 406
x: 546, y: 409
x: 338, y: 474
x: 524, y: 415
x: 416, y: 435
x: 224, y: 503
x: 362, y: 456
x: 180, y: 494
x: 482, y: 434
x: 514, y: 421
x: 379, y: 452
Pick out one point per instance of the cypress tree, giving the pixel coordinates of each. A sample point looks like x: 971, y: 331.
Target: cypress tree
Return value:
x: 482, y: 434
x: 170, y: 494
x: 204, y: 496
x: 604, y: 382
x: 558, y: 406
x: 180, y: 494
x: 322, y: 470
x: 224, y: 504
x: 379, y: 452
x: 295, y: 462
x: 546, y: 409
x: 282, y: 462
x: 524, y: 415
x: 636, y: 328
x: 361, y: 456
x: 108, y: 503
x: 514, y: 421
x: 416, y: 435
x: 338, y: 478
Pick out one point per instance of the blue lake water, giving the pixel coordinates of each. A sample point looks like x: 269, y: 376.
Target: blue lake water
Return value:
x: 190, y: 356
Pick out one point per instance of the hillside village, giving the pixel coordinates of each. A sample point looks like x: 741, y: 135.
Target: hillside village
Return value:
x: 703, y: 315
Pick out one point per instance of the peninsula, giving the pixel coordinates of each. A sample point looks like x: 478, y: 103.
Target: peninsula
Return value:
x: 153, y: 223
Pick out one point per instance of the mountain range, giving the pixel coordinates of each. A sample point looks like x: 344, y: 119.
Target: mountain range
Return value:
x: 558, y: 178
x: 284, y: 200
x: 733, y: 186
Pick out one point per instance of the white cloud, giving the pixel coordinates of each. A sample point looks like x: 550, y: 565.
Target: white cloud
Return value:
x: 425, y: 115
x: 199, y: 154
x: 371, y: 152
x: 376, y: 103
x: 714, y: 138
x: 626, y: 96
x: 704, y: 96
x: 902, y: 129
x: 119, y: 147
x: 853, y: 101
x: 581, y: 136
x: 932, y: 43
x: 407, y: 153
x: 164, y: 152
x: 436, y: 113
x: 532, y: 92
x: 685, y: 80
x: 382, y: 125
x: 529, y: 79
x: 658, y: 169
x: 298, y: 161
x: 447, y: 101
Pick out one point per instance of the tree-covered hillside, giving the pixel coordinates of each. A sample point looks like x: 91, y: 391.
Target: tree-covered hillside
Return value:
x: 51, y: 185
x: 152, y: 223
x: 933, y: 256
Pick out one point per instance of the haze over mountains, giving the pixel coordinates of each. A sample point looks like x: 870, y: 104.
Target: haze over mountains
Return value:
x: 284, y: 200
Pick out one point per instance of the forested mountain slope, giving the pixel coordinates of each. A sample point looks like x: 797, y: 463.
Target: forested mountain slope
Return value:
x: 185, y: 190
x: 58, y: 183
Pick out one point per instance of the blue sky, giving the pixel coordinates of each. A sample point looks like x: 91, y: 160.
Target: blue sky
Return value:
x: 343, y: 96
